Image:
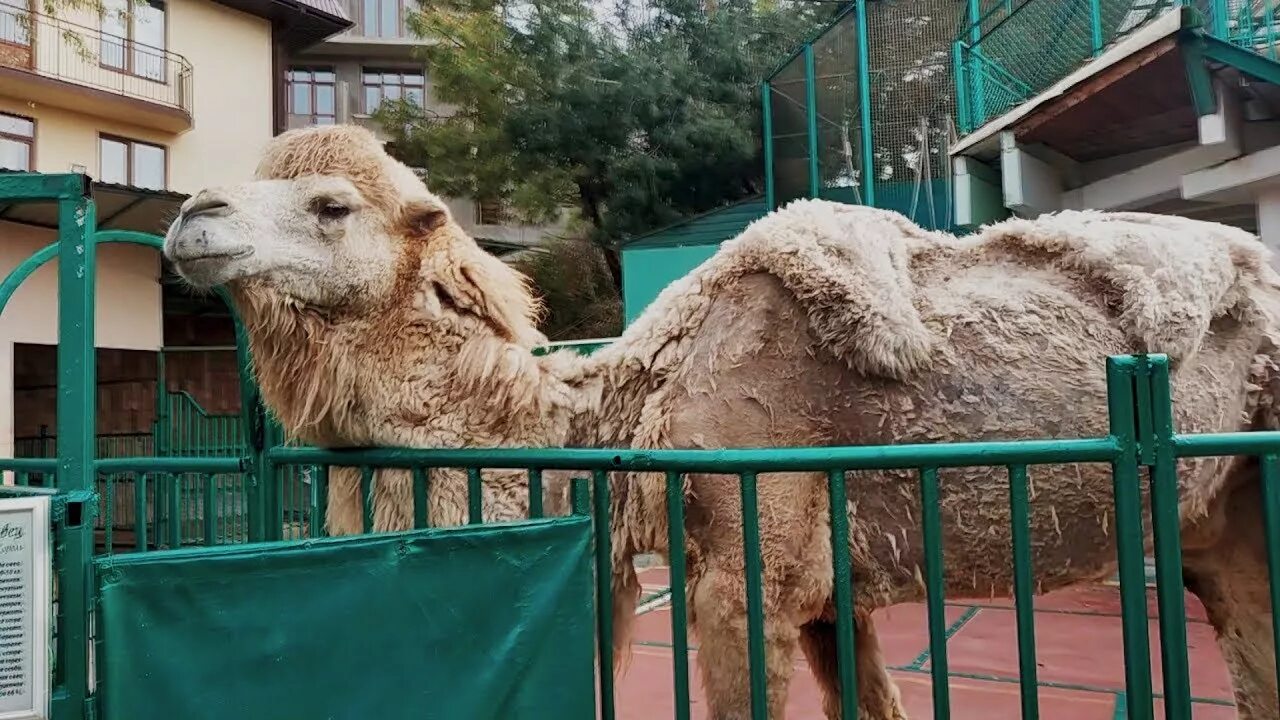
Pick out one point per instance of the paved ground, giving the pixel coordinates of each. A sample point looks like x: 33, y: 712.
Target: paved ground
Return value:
x: 1079, y: 654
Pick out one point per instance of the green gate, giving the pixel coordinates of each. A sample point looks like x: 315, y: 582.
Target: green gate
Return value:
x: 193, y: 598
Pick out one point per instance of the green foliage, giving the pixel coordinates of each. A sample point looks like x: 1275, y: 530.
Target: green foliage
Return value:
x: 633, y: 116
x: 573, y: 278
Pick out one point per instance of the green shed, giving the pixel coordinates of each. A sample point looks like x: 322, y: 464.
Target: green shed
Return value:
x: 652, y: 261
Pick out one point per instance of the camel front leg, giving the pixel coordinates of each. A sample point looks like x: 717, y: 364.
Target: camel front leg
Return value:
x: 878, y: 697
x: 1229, y: 575
x: 719, y: 606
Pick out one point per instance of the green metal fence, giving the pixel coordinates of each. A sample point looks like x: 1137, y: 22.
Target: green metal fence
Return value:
x: 172, y: 497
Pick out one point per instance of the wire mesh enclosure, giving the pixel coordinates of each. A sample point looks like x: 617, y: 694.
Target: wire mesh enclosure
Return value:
x: 864, y: 112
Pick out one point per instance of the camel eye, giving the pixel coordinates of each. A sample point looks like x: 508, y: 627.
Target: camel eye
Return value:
x: 332, y: 211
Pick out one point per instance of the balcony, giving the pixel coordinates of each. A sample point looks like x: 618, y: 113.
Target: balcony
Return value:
x: 60, y: 63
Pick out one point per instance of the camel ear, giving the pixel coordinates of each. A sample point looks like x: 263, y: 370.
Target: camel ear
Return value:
x: 423, y: 214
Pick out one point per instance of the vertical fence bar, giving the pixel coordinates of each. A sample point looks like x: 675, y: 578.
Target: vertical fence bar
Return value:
x: 842, y: 578
x: 1095, y: 26
x: 210, y: 513
x: 754, y: 570
x: 1122, y: 420
x: 475, y: 497
x: 931, y: 515
x: 421, y: 510
x: 962, y: 90
x: 1023, y: 573
x: 679, y: 606
x: 172, y: 482
x: 535, y: 493
x: 766, y: 110
x: 604, y: 589
x: 108, y: 519
x: 1271, y: 519
x: 320, y: 500
x: 366, y: 498
x: 77, y: 271
x: 868, y: 174
x: 811, y: 117
x: 1166, y: 528
x: 140, y: 512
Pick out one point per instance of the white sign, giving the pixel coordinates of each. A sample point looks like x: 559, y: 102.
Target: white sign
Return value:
x: 25, y: 562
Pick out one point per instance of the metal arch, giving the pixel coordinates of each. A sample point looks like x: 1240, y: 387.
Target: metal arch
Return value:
x: 37, y: 259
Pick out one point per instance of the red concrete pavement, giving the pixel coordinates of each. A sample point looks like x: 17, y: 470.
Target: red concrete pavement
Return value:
x: 1079, y: 654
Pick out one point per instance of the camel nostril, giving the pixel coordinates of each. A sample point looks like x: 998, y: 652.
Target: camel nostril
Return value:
x: 204, y: 206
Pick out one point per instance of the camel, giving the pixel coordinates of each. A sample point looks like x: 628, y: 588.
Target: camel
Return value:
x: 374, y: 320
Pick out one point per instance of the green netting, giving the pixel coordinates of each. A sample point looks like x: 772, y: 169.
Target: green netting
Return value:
x: 474, y: 622
x: 790, y: 132
x: 839, y: 123
x: 911, y: 108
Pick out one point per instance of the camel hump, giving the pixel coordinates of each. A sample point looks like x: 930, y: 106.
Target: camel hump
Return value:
x: 1170, y: 276
x: 848, y: 266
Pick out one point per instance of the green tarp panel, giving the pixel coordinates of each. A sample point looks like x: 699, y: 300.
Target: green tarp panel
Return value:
x: 464, y: 623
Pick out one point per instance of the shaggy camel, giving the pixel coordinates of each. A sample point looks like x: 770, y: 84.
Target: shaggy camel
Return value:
x: 374, y: 320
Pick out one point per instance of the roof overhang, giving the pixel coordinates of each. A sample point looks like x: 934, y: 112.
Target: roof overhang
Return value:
x: 119, y: 207
x: 299, y: 23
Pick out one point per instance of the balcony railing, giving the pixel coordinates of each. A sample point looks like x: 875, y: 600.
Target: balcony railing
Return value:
x: 53, y: 48
x: 1016, y: 50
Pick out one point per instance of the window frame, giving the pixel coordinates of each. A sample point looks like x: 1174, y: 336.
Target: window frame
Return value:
x: 312, y: 84
x: 129, y: 143
x: 128, y: 42
x: 365, y: 72
x: 29, y: 8
x: 402, y: 29
x: 30, y: 142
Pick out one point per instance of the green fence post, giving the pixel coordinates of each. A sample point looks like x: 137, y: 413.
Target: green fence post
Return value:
x: 1095, y: 25
x: 161, y: 438
x: 1122, y: 401
x: 766, y: 109
x: 811, y: 115
x: 76, y: 414
x: 864, y: 108
x: 961, y: 77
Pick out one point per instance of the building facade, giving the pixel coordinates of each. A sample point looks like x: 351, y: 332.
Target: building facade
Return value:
x: 152, y: 101
x: 344, y: 79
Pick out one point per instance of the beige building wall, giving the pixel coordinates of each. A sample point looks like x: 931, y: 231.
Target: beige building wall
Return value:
x: 230, y: 53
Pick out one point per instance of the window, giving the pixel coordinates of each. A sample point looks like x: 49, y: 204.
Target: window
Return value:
x: 15, y: 21
x: 383, y: 18
x: 130, y: 162
x: 382, y: 85
x: 312, y: 95
x: 134, y: 38
x: 17, y: 142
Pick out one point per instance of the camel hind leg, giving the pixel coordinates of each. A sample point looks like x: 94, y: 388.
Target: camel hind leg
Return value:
x: 878, y: 697
x: 1225, y: 566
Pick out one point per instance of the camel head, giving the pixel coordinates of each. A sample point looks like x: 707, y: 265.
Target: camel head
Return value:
x: 334, y: 227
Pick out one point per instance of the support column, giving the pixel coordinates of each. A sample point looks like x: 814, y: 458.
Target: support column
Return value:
x: 1268, y: 201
